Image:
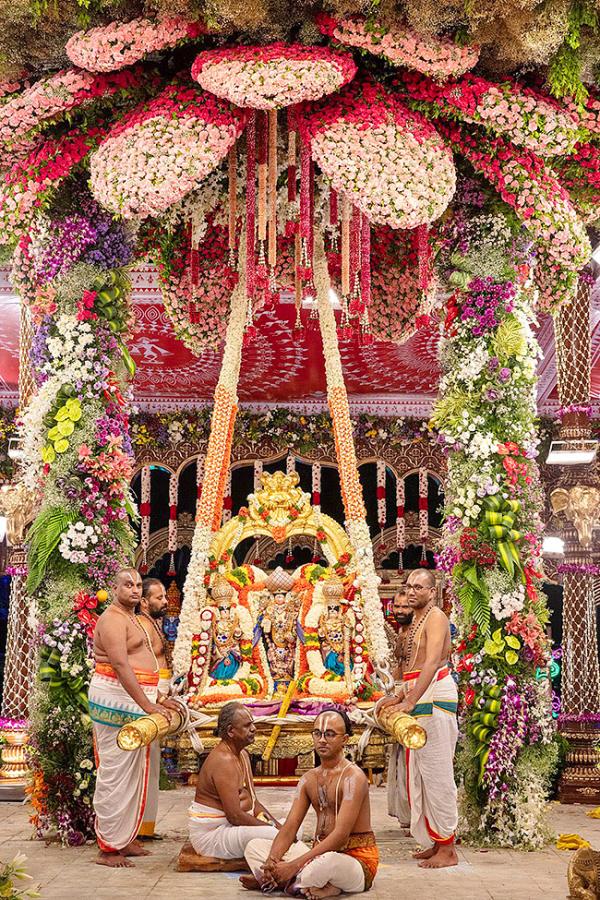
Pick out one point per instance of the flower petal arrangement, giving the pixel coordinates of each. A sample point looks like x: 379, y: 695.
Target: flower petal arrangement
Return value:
x: 519, y: 114
x: 274, y: 76
x: 396, y: 297
x: 120, y: 44
x: 439, y: 57
x: 388, y: 161
x: 527, y: 184
x: 49, y: 97
x: 199, y: 312
x: 29, y: 182
x: 163, y: 150
x: 580, y: 175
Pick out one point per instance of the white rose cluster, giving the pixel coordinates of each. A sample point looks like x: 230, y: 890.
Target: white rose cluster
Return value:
x: 503, y: 605
x: 77, y: 541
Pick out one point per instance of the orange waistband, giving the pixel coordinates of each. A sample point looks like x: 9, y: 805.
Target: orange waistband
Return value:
x: 368, y: 857
x: 441, y: 673
x: 149, y: 679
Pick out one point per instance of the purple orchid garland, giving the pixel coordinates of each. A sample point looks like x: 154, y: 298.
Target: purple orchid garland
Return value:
x: 508, y: 739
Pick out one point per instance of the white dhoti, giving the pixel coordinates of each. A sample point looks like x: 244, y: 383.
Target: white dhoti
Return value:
x: 122, y: 776
x: 430, y: 771
x: 397, y: 794
x: 151, y: 810
x: 211, y: 834
x: 344, y: 870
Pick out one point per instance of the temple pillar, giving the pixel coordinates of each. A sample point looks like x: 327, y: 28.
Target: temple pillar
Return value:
x: 576, y: 500
x: 18, y: 505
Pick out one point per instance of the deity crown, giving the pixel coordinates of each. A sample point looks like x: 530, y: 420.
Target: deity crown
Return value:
x: 333, y: 589
x: 222, y: 589
x: 279, y: 581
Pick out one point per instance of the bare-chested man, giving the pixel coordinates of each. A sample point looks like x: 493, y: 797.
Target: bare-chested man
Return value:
x: 397, y: 794
x: 430, y: 692
x: 123, y: 688
x: 152, y: 608
x: 226, y: 814
x: 344, y: 856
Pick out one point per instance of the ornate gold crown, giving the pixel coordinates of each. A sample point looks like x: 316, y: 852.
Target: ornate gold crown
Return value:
x: 333, y: 588
x: 279, y: 581
x: 222, y: 589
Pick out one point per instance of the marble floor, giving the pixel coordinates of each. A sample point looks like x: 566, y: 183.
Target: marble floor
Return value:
x: 69, y: 874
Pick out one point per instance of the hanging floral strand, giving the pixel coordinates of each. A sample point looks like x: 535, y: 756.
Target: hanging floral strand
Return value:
x: 199, y: 479
x: 400, y: 522
x: 381, y: 502
x: 145, y: 510
x: 172, y: 539
x: 423, y: 514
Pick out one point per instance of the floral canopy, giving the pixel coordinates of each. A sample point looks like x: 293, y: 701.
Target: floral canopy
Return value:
x: 388, y: 169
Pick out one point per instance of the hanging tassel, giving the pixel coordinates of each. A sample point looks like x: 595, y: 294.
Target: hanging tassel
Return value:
x: 199, y: 479
x: 381, y: 501
x: 145, y: 510
x: 345, y: 247
x: 365, y: 262
x: 316, y: 485
x: 400, y: 522
x: 355, y: 306
x: 290, y: 464
x: 232, y: 172
x: 250, y: 204
x: 305, y: 268
x: 289, y: 557
x: 227, y: 500
x: 423, y: 507
x: 272, y: 188
x: 257, y: 559
x: 250, y: 329
x: 172, y: 532
x: 316, y: 556
x: 291, y: 225
x: 423, y: 256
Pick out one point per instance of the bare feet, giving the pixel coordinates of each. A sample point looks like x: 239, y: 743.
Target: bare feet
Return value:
x: 426, y: 854
x: 313, y: 893
x: 135, y: 849
x: 249, y: 882
x: 113, y: 861
x: 445, y: 856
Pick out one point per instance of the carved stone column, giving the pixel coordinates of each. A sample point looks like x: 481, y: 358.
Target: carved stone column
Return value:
x: 577, y: 502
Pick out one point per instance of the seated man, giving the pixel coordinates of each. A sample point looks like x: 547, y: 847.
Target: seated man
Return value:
x: 225, y: 814
x: 344, y: 854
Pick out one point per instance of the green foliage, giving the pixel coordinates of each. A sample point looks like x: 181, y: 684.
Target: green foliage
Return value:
x: 564, y: 74
x: 44, y: 538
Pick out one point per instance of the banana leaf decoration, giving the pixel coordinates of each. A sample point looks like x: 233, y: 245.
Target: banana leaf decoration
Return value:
x: 61, y: 685
x: 483, y: 724
x: 498, y: 529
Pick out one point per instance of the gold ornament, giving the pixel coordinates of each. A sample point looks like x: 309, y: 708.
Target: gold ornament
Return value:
x: 581, y: 506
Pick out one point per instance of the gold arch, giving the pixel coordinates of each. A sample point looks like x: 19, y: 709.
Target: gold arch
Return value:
x: 289, y: 512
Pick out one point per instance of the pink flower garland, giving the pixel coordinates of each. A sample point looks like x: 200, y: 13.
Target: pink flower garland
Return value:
x: 590, y: 116
x: 396, y: 300
x: 529, y: 186
x: 520, y: 114
x: 28, y: 182
x: 273, y: 76
x: 390, y: 162
x: 580, y: 175
x: 162, y: 150
x: 49, y: 97
x: 436, y: 56
x: 121, y: 44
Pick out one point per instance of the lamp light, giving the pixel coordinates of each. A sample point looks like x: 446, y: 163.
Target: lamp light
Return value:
x: 572, y: 453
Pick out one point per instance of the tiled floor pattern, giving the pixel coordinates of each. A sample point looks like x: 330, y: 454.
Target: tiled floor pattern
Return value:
x: 69, y: 874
